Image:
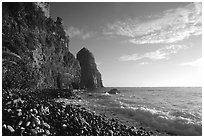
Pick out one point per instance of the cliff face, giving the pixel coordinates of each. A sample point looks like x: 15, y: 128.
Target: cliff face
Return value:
x: 90, y: 76
x: 35, y: 49
x: 45, y: 7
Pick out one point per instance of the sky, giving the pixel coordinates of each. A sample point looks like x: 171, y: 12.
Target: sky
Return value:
x: 149, y: 44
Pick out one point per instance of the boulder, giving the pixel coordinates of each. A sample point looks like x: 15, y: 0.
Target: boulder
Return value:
x: 90, y: 76
x: 114, y: 91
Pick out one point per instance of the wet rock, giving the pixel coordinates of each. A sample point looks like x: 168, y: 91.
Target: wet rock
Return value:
x: 10, y: 128
x: 28, y: 123
x: 20, y: 123
x: 37, y: 121
x: 47, y: 132
x: 22, y: 129
x: 64, y: 126
x: 46, y: 125
x: 4, y: 126
x: 114, y: 91
x: 19, y: 112
x: 33, y: 132
x: 40, y: 131
x: 9, y: 110
x: 111, y: 132
x: 35, y: 111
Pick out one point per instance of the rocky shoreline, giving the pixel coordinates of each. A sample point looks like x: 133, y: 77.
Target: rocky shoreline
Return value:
x: 36, y: 113
x: 36, y: 55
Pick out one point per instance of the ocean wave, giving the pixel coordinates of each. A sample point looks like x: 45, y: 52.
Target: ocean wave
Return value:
x: 106, y: 93
x: 173, y: 122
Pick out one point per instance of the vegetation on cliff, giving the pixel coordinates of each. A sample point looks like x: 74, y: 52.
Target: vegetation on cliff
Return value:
x: 37, y: 68
x: 35, y: 50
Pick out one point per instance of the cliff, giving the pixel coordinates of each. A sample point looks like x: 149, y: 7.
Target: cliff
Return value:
x: 45, y: 7
x: 90, y: 76
x: 35, y: 51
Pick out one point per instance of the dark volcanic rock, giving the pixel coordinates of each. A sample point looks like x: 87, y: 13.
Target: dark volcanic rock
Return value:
x: 35, y: 49
x: 90, y: 76
x: 114, y: 91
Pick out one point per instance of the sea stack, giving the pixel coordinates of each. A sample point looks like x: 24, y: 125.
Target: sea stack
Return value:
x: 90, y: 76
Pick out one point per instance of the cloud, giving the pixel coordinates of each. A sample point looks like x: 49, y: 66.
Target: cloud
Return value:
x: 196, y: 63
x: 73, y: 32
x: 162, y: 53
x: 88, y: 35
x: 143, y: 63
x: 168, y: 27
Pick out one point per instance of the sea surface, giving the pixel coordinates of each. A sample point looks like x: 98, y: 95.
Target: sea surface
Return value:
x: 174, y: 110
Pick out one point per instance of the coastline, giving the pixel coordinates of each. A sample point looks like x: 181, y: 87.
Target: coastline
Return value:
x: 88, y: 101
x: 114, y: 106
x: 44, y: 113
x: 46, y: 82
x: 22, y: 110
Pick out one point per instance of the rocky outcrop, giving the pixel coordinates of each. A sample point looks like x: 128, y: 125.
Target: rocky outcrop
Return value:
x: 45, y: 6
x: 114, y: 91
x: 90, y: 76
x: 35, y: 49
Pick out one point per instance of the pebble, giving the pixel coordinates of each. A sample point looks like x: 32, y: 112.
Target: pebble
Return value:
x: 37, y: 121
x: 9, y: 110
x: 47, y: 132
x: 41, y: 131
x: 10, y: 128
x: 111, y: 132
x: 35, y: 111
x: 33, y: 124
x: 46, y: 125
x: 20, y: 123
x: 4, y: 126
x: 22, y: 128
x: 64, y: 125
x: 33, y: 132
x: 34, y: 114
x: 28, y: 123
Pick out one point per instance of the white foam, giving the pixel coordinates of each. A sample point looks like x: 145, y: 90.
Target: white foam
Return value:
x: 106, y: 93
x: 179, y: 123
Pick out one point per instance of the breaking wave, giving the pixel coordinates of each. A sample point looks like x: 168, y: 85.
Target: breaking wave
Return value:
x: 172, y: 122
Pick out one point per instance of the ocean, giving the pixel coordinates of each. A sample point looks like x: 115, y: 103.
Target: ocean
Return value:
x: 174, y: 110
